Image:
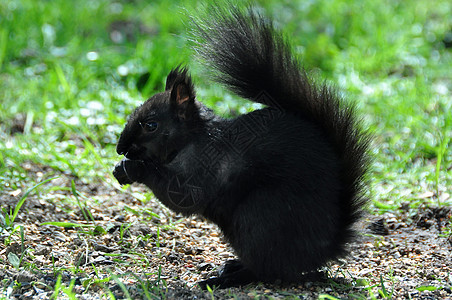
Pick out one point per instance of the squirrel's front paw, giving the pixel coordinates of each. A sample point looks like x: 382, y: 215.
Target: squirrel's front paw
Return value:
x: 128, y: 171
x: 120, y: 174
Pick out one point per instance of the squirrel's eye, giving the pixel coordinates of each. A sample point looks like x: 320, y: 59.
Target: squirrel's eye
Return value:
x: 151, y: 126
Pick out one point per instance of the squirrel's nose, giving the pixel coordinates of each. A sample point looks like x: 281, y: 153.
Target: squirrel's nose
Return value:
x: 134, y: 152
x: 121, y: 149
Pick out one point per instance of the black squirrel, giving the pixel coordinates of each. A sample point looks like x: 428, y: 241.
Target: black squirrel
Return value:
x: 284, y: 183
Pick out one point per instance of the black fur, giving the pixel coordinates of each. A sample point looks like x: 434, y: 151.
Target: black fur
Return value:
x: 284, y: 183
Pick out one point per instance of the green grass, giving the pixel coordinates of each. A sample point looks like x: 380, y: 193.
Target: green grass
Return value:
x: 73, y: 85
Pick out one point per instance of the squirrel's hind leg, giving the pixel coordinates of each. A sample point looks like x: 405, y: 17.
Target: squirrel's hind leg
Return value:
x: 233, y: 274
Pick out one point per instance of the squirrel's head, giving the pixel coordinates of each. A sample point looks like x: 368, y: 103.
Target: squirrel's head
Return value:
x: 161, y: 126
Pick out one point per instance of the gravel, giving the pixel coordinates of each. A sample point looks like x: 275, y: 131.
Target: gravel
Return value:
x: 138, y: 247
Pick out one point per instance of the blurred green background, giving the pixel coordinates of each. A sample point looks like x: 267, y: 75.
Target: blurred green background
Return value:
x: 71, y: 72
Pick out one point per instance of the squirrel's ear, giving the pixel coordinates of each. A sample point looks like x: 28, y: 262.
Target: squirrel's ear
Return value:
x: 171, y: 78
x: 178, y: 74
x: 182, y: 95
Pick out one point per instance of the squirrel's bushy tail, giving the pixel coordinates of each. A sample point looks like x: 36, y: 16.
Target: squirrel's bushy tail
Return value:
x: 252, y: 57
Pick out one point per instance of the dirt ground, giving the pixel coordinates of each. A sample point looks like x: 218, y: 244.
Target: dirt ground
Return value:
x: 403, y: 255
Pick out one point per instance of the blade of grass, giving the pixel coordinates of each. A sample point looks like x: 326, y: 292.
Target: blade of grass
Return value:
x: 14, y: 260
x: 85, y: 212
x: 57, y: 288
x: 143, y: 286
x: 63, y: 81
x: 24, y: 197
x: 93, y: 150
x: 121, y: 284
x: 66, y: 224
x: 3, y: 41
x: 22, y: 244
x: 441, y: 151
x: 69, y: 290
x: 324, y: 296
